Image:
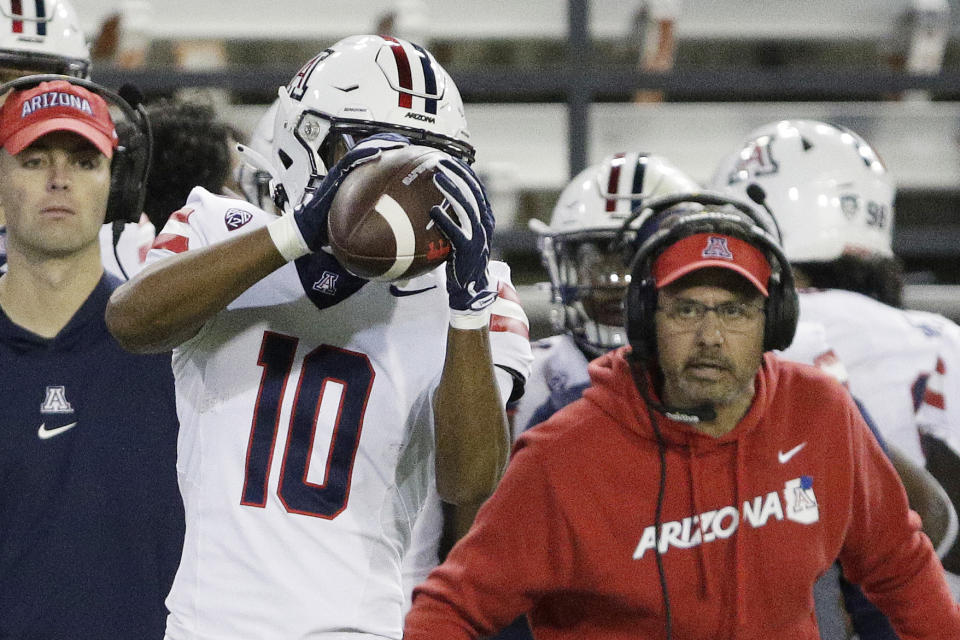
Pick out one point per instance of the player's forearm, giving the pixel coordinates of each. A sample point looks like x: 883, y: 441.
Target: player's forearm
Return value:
x: 169, y: 301
x: 472, y: 435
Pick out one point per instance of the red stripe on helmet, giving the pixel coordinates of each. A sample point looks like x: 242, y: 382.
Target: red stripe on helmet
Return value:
x: 403, y: 72
x: 16, y: 8
x: 614, y: 180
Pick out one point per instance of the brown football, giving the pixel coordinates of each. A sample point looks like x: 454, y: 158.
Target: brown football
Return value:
x: 379, y: 221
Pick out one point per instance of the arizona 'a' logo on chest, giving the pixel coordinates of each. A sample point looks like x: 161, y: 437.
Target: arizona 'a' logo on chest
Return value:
x: 55, y: 401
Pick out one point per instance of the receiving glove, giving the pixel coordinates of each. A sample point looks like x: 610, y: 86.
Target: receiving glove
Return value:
x: 469, y: 233
x: 311, y: 216
x: 306, y: 230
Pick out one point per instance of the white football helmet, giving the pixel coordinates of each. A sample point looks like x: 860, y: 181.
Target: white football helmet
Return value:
x: 586, y: 254
x: 361, y: 86
x: 41, y: 36
x: 828, y: 190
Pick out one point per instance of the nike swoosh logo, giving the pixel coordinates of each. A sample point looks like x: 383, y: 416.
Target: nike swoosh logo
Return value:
x: 46, y: 434
x: 784, y: 457
x: 399, y: 293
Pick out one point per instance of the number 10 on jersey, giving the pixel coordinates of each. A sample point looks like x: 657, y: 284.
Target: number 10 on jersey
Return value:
x: 328, y: 374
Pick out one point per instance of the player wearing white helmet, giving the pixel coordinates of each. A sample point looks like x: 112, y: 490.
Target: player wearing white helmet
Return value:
x: 833, y: 198
x: 301, y: 497
x: 357, y: 119
x: 587, y: 256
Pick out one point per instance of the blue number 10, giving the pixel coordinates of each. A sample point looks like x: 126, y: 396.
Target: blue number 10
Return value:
x: 328, y: 373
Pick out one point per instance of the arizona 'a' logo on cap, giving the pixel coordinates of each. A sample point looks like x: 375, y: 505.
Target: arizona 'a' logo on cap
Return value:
x: 717, y: 248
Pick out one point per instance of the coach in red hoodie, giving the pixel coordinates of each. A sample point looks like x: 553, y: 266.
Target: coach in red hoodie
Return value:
x: 701, y: 485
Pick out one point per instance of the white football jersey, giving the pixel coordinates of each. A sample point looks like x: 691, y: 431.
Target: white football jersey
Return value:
x: 890, y: 355
x: 306, y: 442
x: 810, y: 346
x: 936, y: 415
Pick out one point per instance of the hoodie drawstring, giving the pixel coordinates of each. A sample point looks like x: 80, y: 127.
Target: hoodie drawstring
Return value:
x: 696, y: 501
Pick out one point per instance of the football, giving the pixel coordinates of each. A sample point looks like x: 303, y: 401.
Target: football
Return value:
x: 379, y: 221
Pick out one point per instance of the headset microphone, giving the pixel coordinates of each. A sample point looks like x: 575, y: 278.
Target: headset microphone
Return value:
x: 756, y: 193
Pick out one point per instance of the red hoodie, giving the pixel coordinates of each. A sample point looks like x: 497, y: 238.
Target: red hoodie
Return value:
x: 750, y: 520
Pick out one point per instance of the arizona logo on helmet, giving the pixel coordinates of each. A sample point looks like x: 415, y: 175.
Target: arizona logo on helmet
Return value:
x: 755, y: 160
x: 298, y: 84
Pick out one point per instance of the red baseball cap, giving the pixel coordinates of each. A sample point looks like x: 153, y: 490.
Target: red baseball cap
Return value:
x: 56, y: 106
x: 712, y: 250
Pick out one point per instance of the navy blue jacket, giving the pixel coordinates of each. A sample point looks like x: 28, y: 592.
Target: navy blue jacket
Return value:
x: 91, y: 520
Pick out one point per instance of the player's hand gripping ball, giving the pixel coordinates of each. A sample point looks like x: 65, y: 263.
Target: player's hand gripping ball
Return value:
x: 379, y: 222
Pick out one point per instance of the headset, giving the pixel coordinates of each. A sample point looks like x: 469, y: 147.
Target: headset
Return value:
x: 660, y: 228
x: 131, y: 159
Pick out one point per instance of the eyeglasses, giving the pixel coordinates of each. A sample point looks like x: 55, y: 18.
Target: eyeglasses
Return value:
x: 687, y: 315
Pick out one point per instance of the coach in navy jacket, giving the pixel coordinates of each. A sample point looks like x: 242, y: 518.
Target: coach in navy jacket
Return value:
x: 91, y: 522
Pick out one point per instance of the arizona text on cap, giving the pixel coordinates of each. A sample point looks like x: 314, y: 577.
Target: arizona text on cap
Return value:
x: 56, y: 106
x: 712, y: 250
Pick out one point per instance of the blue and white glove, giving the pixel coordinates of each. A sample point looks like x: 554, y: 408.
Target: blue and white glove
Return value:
x: 306, y: 230
x: 469, y: 232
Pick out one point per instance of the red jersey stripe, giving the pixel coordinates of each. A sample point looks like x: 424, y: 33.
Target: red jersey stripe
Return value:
x: 171, y: 242
x: 182, y: 215
x: 934, y: 399
x: 512, y: 325
x: 507, y: 292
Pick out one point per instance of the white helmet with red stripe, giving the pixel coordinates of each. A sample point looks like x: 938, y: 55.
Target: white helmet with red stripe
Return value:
x: 828, y: 189
x: 360, y: 86
x: 41, y: 36
x: 582, y: 247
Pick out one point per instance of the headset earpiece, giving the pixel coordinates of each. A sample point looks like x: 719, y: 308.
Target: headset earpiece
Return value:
x: 131, y: 159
